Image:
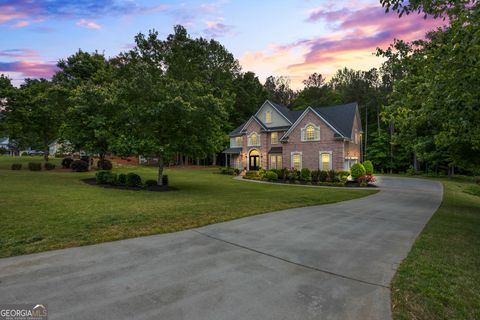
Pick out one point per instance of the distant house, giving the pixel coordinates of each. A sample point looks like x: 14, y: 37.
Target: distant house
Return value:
x: 5, y: 145
x: 316, y: 138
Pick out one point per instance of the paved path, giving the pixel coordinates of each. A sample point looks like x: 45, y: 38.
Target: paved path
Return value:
x: 323, y: 262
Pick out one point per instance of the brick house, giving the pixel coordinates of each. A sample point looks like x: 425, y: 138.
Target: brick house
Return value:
x: 316, y: 138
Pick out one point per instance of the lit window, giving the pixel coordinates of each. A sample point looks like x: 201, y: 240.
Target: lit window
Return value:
x: 268, y: 117
x: 238, y: 141
x: 310, y: 133
x: 275, y: 161
x: 297, y: 161
x: 326, y: 161
x: 253, y: 140
x: 274, y: 137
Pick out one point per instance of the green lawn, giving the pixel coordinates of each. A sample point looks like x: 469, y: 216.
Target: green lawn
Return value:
x: 49, y: 210
x: 440, y: 278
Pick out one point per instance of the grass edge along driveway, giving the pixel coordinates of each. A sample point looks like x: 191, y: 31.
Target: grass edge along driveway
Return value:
x: 440, y: 278
x: 52, y: 210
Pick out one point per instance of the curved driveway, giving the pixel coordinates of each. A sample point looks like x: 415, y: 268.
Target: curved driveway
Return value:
x: 323, y: 262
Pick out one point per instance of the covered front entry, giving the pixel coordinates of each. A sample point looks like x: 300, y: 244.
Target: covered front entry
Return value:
x: 254, y: 160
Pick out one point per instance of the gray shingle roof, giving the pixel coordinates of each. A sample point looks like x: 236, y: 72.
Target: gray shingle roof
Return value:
x: 341, y: 116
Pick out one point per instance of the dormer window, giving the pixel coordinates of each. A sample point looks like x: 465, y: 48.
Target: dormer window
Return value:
x: 311, y: 133
x: 268, y: 117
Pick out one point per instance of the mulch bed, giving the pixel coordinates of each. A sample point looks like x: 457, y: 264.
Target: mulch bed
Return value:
x: 93, y: 182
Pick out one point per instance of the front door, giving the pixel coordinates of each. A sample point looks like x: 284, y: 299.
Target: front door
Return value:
x: 254, y: 160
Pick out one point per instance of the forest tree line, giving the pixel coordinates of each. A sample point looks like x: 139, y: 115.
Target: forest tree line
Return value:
x: 182, y: 95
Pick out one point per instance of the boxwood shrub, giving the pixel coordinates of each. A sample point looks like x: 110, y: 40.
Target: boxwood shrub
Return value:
x: 122, y: 178
x: 151, y: 183
x: 104, y: 164
x: 34, y: 166
x: 305, y: 174
x: 106, y: 177
x: 49, y: 166
x: 367, y: 164
x: 271, y: 175
x: 79, y: 166
x: 16, y: 166
x: 133, y: 180
x: 357, y: 170
x: 66, y: 162
x: 165, y: 180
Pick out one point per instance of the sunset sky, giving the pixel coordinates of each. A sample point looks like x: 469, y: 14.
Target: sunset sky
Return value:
x: 289, y: 38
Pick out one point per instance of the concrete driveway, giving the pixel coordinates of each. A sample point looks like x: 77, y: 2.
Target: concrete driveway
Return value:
x: 323, y: 262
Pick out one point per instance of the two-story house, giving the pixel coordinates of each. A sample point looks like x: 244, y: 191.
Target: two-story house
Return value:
x: 316, y: 138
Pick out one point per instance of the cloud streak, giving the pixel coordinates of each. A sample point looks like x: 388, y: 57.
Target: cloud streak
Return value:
x: 89, y: 24
x: 29, y: 69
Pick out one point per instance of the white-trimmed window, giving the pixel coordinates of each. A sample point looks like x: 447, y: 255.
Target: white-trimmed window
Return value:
x: 325, y: 160
x: 276, y: 161
x: 310, y: 132
x: 239, y: 141
x: 253, y: 139
x: 274, y: 138
x: 268, y: 117
x: 297, y: 160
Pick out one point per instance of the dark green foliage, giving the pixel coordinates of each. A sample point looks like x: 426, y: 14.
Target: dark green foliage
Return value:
x: 122, y: 178
x: 66, y: 162
x: 343, y: 175
x: 368, y: 167
x: 305, y: 174
x: 34, y: 166
x: 165, y: 180
x: 79, y: 166
x: 323, y: 175
x: 16, y: 166
x: 229, y: 171
x: 151, y: 183
x: 271, y: 176
x: 357, y: 170
x: 293, y: 174
x: 315, y: 176
x: 332, y: 176
x: 49, y: 166
x: 104, y: 164
x: 106, y: 177
x: 133, y: 180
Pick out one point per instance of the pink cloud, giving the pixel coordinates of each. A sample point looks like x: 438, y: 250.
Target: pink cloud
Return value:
x: 217, y: 29
x: 89, y: 24
x: 29, y: 68
x: 21, y: 24
x: 19, y: 53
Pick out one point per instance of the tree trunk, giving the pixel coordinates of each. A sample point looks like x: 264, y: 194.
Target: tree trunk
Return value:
x: 198, y: 161
x: 366, y: 134
x: 46, y: 150
x: 181, y: 159
x: 160, y: 170
x: 392, y: 129
x: 214, y: 159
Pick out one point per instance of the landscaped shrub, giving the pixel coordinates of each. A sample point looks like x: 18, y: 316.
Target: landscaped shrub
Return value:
x: 332, y: 176
x: 66, y: 162
x: 133, y: 180
x: 49, y: 166
x: 106, y: 177
x: 315, y: 175
x: 323, y: 176
x: 34, y: 166
x: 357, y: 170
x: 151, y: 183
x: 104, y: 164
x: 411, y: 171
x: 271, y: 176
x: 283, y: 174
x: 343, y: 175
x: 229, y: 171
x: 79, y: 166
x: 305, y: 175
x: 367, y: 178
x: 16, y: 166
x: 122, y: 178
x: 368, y: 167
x: 261, y: 172
x: 165, y: 180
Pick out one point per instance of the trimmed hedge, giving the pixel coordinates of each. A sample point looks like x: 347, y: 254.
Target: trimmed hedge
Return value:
x: 34, y: 166
x: 367, y: 164
x: 106, y: 177
x: 16, y: 166
x: 79, y: 166
x: 122, y: 178
x: 357, y: 170
x: 49, y: 166
x: 104, y: 164
x: 133, y: 180
x: 66, y: 162
x: 151, y: 183
x: 165, y: 180
x: 271, y: 176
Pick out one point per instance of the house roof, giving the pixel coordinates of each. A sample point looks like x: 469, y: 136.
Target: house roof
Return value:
x: 340, y: 117
x: 232, y: 151
x: 4, y: 141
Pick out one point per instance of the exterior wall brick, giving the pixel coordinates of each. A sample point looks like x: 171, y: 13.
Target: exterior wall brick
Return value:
x: 352, y: 149
x: 310, y: 149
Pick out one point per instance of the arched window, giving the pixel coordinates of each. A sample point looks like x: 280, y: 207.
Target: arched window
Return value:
x: 253, y: 139
x: 310, y: 133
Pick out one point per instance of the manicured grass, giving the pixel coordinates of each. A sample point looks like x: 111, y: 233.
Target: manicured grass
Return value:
x: 49, y: 210
x: 440, y: 278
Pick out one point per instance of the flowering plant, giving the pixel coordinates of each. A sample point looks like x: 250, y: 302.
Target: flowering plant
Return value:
x: 367, y: 179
